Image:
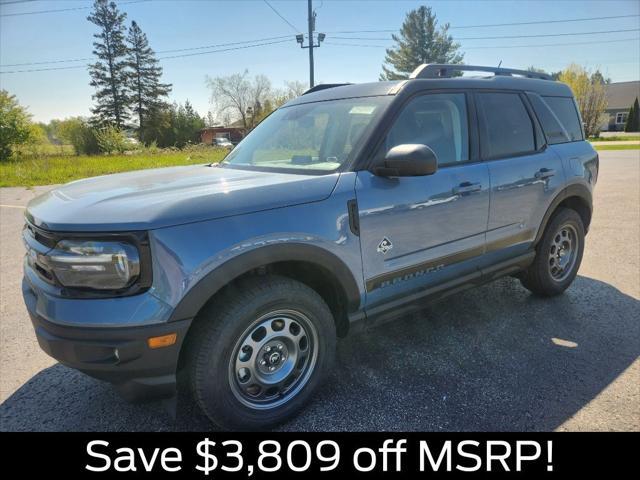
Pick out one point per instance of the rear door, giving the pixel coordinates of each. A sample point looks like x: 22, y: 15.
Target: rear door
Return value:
x: 417, y: 232
x: 525, y: 175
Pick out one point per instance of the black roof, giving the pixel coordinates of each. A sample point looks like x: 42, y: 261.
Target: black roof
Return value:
x: 502, y: 82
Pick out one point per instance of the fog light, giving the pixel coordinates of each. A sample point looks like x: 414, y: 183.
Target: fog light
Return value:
x: 162, y: 341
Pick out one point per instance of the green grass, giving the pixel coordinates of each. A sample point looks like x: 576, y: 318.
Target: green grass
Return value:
x: 635, y: 146
x: 43, y: 149
x: 618, y: 138
x: 29, y: 171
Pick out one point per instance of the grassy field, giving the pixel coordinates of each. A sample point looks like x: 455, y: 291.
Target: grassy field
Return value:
x: 50, y: 169
x: 634, y: 146
x: 619, y: 138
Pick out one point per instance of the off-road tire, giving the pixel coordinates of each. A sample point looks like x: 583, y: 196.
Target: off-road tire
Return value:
x: 538, y: 278
x: 213, y: 344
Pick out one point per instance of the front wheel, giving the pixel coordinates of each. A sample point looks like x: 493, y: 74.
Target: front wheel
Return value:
x: 558, y: 255
x: 259, y: 352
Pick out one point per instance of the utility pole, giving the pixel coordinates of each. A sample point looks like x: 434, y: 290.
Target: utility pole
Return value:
x: 311, y: 20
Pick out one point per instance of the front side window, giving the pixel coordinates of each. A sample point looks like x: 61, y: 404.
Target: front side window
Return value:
x: 437, y: 120
x: 507, y: 129
x: 312, y: 137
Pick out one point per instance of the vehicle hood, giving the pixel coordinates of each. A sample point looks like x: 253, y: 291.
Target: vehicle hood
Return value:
x: 163, y: 197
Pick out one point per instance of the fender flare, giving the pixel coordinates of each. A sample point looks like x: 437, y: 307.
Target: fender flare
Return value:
x: 210, y: 284
x: 575, y: 190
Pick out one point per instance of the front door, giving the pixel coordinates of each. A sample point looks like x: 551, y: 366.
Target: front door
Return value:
x: 417, y: 232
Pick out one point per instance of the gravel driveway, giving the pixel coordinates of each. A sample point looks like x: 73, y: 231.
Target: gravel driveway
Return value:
x: 492, y: 358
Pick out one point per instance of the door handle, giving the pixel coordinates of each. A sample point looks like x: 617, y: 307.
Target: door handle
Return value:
x: 467, y: 187
x: 545, y: 173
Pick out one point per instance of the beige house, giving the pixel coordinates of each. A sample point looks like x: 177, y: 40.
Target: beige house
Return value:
x: 620, y: 97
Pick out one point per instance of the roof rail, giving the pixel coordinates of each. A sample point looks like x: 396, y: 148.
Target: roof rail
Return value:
x: 324, y: 86
x: 443, y: 70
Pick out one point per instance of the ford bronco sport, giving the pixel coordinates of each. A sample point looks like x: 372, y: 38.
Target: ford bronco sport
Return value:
x: 349, y: 206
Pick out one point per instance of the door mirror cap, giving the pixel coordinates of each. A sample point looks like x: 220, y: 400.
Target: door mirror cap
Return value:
x: 408, y: 160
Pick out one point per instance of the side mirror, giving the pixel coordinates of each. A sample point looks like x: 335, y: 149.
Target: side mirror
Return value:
x: 408, y: 160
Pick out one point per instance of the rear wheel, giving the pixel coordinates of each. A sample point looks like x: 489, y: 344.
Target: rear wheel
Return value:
x: 558, y: 255
x: 259, y: 352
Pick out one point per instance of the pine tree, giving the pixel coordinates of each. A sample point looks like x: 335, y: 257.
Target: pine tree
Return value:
x: 420, y: 41
x: 109, y: 73
x: 633, y: 118
x: 146, y: 89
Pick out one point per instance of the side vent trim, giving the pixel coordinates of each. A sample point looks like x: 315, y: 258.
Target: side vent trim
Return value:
x: 354, y: 217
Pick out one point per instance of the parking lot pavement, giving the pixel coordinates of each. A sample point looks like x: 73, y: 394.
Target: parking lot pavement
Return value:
x: 491, y: 358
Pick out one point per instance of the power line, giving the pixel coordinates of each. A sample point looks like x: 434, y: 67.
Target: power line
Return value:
x: 499, y: 46
x: 224, y: 50
x: 284, y: 19
x: 86, y: 59
x: 355, y: 45
x: 539, y: 22
x: 288, y: 37
x: 550, y: 34
x: 159, y: 58
x: 16, y: 1
x: 86, y: 7
x: 555, y: 44
x: 510, y: 36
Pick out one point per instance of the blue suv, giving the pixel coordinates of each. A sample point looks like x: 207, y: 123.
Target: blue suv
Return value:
x: 347, y: 207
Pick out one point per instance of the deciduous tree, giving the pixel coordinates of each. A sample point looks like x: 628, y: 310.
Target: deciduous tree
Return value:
x: 240, y: 95
x: 15, y: 125
x: 588, y: 90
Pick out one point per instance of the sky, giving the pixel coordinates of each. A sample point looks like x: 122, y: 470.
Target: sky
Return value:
x: 343, y: 57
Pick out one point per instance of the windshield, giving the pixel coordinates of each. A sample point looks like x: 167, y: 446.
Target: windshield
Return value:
x: 316, y: 137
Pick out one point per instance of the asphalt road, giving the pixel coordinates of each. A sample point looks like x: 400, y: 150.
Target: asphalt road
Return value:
x: 493, y: 358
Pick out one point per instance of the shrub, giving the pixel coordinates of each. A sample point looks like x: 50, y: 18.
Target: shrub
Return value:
x: 79, y: 133
x: 111, y: 139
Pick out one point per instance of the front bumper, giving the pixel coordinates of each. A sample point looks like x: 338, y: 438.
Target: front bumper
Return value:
x: 117, y: 354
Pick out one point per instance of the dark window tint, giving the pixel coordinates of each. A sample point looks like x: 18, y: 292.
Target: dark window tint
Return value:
x: 565, y: 110
x: 552, y: 127
x: 507, y: 127
x: 437, y: 120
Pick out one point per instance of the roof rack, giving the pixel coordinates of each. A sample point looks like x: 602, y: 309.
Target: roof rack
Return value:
x: 324, y: 86
x: 443, y: 70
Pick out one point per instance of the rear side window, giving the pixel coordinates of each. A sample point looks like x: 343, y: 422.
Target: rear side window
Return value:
x: 553, y: 129
x: 565, y: 109
x: 507, y: 128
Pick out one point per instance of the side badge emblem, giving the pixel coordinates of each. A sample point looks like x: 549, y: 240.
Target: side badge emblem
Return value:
x: 384, y: 246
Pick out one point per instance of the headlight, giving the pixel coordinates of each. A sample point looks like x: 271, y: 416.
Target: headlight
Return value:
x: 101, y: 265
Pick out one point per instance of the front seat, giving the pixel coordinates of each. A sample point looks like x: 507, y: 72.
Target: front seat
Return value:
x: 434, y: 136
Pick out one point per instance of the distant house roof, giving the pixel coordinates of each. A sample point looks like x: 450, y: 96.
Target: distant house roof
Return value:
x: 217, y: 128
x: 237, y: 124
x: 621, y: 95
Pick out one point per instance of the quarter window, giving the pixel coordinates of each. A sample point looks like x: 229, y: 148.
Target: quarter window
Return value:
x: 565, y: 109
x: 507, y: 127
x: 553, y: 129
x: 437, y: 120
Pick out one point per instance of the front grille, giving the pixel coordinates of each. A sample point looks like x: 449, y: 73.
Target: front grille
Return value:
x: 37, y: 244
x: 41, y: 236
